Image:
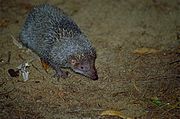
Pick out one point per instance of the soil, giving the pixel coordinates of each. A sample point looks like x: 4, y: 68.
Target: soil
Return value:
x: 138, y: 63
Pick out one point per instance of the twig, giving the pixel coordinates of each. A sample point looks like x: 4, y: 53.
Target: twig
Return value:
x: 16, y: 42
x: 177, y: 61
x: 80, y: 110
x: 9, y: 57
x: 134, y: 84
x: 36, y: 68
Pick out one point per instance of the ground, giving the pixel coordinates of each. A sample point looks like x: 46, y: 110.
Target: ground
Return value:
x: 138, y: 63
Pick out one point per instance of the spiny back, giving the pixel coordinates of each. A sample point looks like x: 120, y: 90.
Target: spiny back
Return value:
x: 45, y: 21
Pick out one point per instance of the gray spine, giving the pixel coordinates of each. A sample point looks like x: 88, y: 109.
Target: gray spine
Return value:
x: 53, y: 35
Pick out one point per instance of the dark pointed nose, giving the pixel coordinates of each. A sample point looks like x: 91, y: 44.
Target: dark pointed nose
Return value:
x: 93, y: 74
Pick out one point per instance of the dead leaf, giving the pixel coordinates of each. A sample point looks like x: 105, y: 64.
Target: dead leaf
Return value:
x: 144, y: 51
x: 114, y: 113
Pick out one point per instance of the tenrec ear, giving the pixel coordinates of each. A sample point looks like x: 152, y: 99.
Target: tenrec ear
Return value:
x: 73, y: 62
